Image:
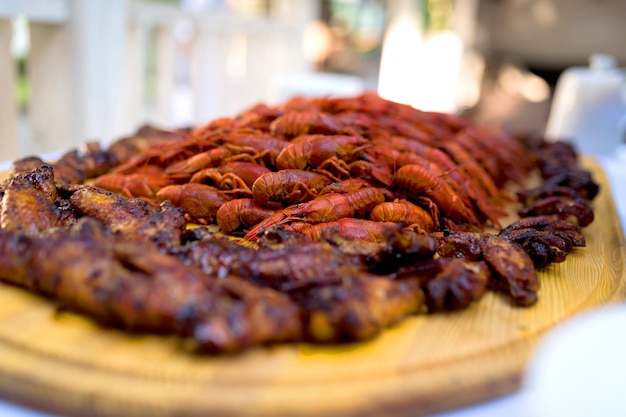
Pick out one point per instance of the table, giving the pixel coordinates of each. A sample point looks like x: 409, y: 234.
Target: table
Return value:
x: 526, y: 401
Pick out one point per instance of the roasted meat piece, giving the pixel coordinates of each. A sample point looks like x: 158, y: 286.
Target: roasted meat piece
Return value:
x: 578, y: 179
x: 340, y: 299
x: 26, y: 164
x: 77, y: 165
x: 287, y: 259
x: 529, y: 196
x: 397, y: 247
x: 132, y: 219
x: 68, y: 170
x: 546, y: 238
x: 140, y: 288
x: 29, y: 203
x: 512, y: 269
x: 241, y: 315
x: 107, y: 207
x: 283, y: 269
x: 464, y: 245
x: 94, y: 160
x: 355, y: 307
x: 575, y: 208
x: 143, y: 139
x: 548, y: 223
x: 457, y: 285
x: 556, y: 158
x: 448, y: 283
x: 164, y: 228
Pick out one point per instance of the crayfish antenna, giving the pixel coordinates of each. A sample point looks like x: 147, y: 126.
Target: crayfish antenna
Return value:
x: 280, y: 217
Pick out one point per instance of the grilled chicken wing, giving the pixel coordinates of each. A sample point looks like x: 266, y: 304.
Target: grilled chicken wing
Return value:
x: 339, y: 298
x: 29, y: 203
x: 512, y: 268
x: 107, y: 207
x: 141, y: 288
x: 356, y: 306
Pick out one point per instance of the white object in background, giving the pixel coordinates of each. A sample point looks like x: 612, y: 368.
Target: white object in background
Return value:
x: 589, y: 107
x: 431, y: 70
x: 403, y: 45
x: 578, y: 369
x: 313, y: 84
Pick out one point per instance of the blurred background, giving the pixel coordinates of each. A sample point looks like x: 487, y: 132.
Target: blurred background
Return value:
x: 73, y: 71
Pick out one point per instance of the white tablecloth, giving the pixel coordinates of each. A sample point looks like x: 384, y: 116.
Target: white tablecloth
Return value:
x: 523, y: 403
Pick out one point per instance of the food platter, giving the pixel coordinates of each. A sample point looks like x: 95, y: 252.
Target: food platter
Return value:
x: 61, y: 362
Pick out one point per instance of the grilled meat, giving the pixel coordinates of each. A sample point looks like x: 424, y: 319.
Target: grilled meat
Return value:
x: 546, y: 238
x: 340, y: 299
x: 29, y: 203
x: 142, y: 289
x: 107, y: 207
x: 355, y: 307
x: 26, y: 164
x: 512, y: 269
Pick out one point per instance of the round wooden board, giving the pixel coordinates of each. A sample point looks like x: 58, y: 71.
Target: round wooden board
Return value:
x: 64, y: 363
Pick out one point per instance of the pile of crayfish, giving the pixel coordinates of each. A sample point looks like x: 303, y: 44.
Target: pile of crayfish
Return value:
x: 346, y: 165
x: 310, y: 164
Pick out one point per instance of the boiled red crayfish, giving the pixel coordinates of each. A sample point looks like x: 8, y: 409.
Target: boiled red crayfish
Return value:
x: 407, y: 214
x: 145, y: 182
x: 185, y: 169
x: 296, y: 123
x: 418, y: 181
x: 325, y: 208
x: 288, y: 186
x: 253, y: 146
x: 236, y: 178
x: 330, y: 155
x: 200, y: 202
x: 350, y: 228
x: 241, y: 213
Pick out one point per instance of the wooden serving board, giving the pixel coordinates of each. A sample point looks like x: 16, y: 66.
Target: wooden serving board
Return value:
x: 64, y: 363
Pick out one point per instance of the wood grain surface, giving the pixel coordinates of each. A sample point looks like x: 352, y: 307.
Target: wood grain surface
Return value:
x: 63, y: 363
